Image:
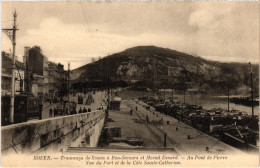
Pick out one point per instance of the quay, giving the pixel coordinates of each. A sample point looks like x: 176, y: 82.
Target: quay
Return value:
x: 151, y: 127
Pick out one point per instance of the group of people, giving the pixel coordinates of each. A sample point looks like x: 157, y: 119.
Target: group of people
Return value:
x: 54, y: 111
x: 84, y: 110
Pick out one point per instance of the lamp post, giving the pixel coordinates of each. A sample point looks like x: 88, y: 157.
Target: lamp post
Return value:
x: 11, y: 33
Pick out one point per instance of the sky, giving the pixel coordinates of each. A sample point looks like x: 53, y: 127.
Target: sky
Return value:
x: 77, y: 31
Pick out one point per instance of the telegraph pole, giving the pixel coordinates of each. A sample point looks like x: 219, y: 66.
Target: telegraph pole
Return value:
x: 11, y: 33
x: 69, y: 88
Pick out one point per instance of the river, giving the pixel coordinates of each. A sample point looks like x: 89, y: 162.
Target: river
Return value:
x: 212, y: 101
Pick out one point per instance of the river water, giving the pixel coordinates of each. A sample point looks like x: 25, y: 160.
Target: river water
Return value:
x: 212, y: 101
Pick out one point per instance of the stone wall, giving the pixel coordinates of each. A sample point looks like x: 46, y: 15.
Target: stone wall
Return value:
x: 52, y: 135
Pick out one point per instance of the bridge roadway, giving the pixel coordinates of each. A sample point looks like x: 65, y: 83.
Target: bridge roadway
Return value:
x: 152, y: 132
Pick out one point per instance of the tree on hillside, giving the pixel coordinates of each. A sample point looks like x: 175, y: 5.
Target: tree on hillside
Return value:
x: 93, y: 59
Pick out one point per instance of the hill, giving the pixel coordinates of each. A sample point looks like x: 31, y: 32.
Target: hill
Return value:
x: 150, y: 66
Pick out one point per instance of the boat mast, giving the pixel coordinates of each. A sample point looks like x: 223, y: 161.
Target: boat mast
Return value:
x: 252, y: 91
x: 69, y: 88
x: 228, y: 97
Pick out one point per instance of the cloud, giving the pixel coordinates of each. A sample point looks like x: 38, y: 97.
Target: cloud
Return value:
x: 206, y: 16
x: 78, y: 43
x: 222, y: 31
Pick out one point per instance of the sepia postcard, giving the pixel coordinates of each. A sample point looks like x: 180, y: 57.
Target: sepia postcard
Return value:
x: 130, y: 84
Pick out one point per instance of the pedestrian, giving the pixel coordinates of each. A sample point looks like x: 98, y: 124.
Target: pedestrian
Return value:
x: 67, y: 111
x: 147, y: 119
x: 106, y: 111
x: 89, y: 110
x: 131, y: 111
x: 55, y: 112
x: 40, y: 110
x: 74, y: 111
x: 85, y: 110
x: 50, y: 112
x: 80, y: 110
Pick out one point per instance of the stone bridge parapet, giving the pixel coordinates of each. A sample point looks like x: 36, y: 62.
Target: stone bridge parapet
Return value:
x: 54, y: 134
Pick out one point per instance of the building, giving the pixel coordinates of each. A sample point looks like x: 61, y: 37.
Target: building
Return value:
x: 35, y: 75
x: 35, y: 63
x: 44, y: 78
x: 6, y: 75
x: 57, y: 80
